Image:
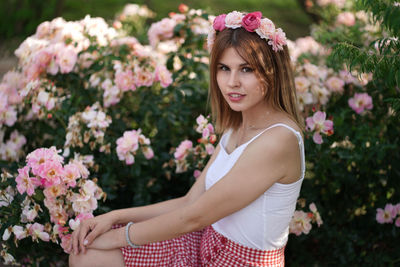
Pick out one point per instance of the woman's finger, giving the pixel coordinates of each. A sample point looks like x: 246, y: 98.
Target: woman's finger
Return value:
x: 75, y: 244
x: 85, y: 228
x: 91, y: 236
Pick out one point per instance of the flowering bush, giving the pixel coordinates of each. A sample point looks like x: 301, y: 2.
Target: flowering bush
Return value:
x: 102, y: 92
x: 50, y: 200
x: 301, y: 221
x: 351, y: 173
x: 389, y: 214
x: 90, y: 89
x: 188, y: 157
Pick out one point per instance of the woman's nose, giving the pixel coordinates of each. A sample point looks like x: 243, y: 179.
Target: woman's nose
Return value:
x: 233, y: 79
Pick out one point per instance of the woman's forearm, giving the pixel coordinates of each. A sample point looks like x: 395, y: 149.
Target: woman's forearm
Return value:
x: 138, y: 214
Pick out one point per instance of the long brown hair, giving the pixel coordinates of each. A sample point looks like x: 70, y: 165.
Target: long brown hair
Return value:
x: 274, y: 69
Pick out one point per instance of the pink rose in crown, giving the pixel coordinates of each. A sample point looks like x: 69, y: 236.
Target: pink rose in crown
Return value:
x: 219, y: 22
x: 252, y: 21
x: 277, y: 40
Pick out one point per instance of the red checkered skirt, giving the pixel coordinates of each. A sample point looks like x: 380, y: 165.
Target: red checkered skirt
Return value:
x: 201, y: 248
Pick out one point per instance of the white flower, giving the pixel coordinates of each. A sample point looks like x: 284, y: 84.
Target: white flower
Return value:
x: 6, y: 234
x: 74, y: 224
x: 19, y: 232
x: 7, y: 257
x: 233, y: 20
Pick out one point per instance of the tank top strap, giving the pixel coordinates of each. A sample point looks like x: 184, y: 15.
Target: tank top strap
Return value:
x: 298, y: 135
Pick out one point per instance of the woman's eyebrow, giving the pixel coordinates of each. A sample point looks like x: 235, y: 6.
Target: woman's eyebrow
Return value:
x: 241, y: 65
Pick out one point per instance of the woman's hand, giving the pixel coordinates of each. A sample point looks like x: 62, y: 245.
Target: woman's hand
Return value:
x: 88, y: 230
x: 115, y: 238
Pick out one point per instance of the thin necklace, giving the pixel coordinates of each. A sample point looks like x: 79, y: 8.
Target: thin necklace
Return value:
x: 250, y: 127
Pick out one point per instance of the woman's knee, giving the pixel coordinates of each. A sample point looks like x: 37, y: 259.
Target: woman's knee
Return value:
x: 78, y: 260
x: 94, y: 257
x: 90, y: 258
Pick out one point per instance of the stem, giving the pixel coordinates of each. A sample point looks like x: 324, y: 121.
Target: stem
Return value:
x: 60, y: 120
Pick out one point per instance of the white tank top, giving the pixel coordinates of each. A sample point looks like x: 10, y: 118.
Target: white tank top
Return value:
x: 264, y: 223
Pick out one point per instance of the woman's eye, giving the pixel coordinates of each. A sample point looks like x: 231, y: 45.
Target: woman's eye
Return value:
x: 247, y: 69
x: 224, y: 68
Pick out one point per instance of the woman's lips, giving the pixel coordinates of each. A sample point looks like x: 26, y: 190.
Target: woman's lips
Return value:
x: 235, y: 97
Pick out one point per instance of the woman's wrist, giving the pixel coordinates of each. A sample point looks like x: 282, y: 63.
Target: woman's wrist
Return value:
x: 120, y: 216
x: 114, y: 216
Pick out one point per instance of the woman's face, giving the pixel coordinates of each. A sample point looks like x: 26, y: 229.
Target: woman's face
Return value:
x: 238, y: 82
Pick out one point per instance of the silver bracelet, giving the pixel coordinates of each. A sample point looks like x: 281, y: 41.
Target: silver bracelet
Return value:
x: 127, y: 236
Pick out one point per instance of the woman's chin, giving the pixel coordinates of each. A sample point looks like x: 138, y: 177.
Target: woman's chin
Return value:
x: 236, y: 108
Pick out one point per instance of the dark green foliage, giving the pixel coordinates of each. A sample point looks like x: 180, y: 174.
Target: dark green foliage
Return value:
x: 357, y: 171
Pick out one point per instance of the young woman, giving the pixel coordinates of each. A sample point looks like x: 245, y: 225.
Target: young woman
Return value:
x: 238, y: 211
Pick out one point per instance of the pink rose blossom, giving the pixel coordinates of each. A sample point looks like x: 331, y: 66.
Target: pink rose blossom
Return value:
x: 127, y: 146
x: 148, y: 152
x: 66, y: 59
x: 318, y: 124
x: 201, y: 122
x: 277, y: 40
x: 89, y: 188
x: 84, y: 216
x: 32, y: 72
x: 60, y: 230
x: 25, y: 183
x: 54, y: 191
x: 233, y: 20
x: 387, y: 215
x: 19, y: 232
x: 71, y: 174
x: 84, y: 203
x: 84, y: 172
x: 335, y: 84
x: 143, y: 77
x: 300, y: 223
x: 210, y: 149
x: 252, y: 21
x: 211, y: 38
x: 397, y: 222
x: 302, y: 84
x: 43, y: 29
x: 66, y: 243
x: 266, y: 28
x: 161, y: 30
x: 396, y: 209
x: 347, y: 77
x: 206, y: 132
x: 183, y: 149
x: 80, y: 218
x: 8, y: 116
x: 346, y: 18
x: 43, y: 58
x: 18, y: 139
x: 58, y: 214
x: 163, y: 75
x: 51, y: 173
x: 40, y: 156
x: 125, y: 80
x: 360, y: 102
x: 196, y: 173
x: 219, y: 22
x: 37, y: 231
x: 31, y: 214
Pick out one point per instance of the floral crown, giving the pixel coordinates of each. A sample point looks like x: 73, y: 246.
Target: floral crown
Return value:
x: 252, y: 22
